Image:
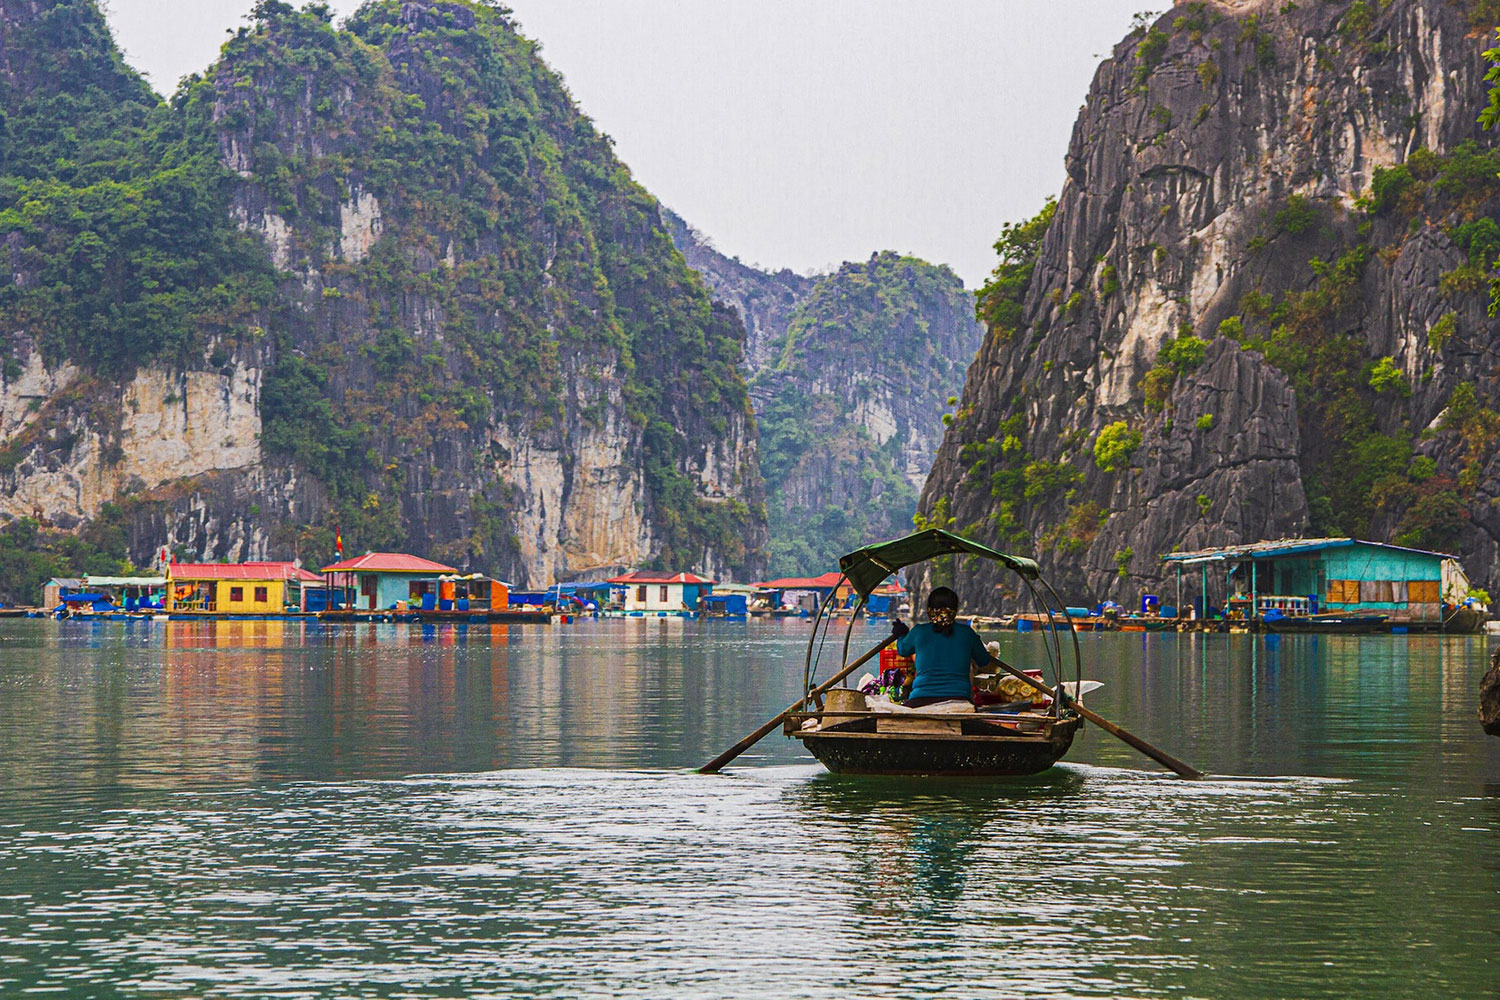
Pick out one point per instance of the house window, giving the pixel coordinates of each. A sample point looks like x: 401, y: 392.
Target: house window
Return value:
x: 236, y: 593
x: 640, y: 595
x: 261, y: 595
x: 663, y: 597
x: 1343, y: 591
x: 1422, y: 591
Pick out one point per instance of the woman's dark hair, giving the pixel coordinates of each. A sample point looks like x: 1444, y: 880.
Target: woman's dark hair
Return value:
x: 942, y: 599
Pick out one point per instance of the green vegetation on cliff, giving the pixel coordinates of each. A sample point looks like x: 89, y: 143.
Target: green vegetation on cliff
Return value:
x: 120, y: 247
x: 409, y: 226
x: 852, y: 408
x: 542, y: 259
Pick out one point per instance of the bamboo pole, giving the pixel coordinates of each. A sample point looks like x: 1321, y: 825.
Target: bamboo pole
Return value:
x: 1160, y: 756
x: 717, y: 764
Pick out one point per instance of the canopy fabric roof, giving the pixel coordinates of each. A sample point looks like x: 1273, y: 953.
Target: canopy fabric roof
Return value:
x: 388, y: 562
x: 868, y: 567
x: 734, y: 588
x: 125, y: 581
x: 1284, y: 547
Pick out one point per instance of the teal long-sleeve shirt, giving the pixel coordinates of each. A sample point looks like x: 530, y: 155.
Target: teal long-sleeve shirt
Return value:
x: 942, y: 661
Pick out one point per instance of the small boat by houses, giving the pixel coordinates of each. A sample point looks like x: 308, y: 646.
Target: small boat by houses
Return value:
x: 1325, y: 623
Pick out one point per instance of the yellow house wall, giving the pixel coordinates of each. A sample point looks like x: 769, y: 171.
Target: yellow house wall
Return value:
x: 275, y: 592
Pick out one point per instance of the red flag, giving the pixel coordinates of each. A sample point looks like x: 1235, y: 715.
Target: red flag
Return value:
x: 338, y: 541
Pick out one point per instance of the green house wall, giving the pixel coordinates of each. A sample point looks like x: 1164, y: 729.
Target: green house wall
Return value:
x: 1309, y: 573
x: 1365, y: 562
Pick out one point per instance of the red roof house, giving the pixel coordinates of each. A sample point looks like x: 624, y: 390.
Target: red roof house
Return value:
x: 388, y: 562
x: 655, y: 576
x: 826, y: 581
x: 242, y: 571
x: 653, y: 590
x: 387, y: 579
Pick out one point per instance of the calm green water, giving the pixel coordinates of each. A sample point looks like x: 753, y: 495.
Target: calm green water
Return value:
x: 268, y: 810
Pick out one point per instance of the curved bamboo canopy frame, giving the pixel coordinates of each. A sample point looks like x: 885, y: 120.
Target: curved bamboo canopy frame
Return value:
x: 866, y: 568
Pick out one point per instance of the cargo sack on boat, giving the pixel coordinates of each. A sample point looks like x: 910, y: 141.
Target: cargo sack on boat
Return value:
x: 1008, y: 688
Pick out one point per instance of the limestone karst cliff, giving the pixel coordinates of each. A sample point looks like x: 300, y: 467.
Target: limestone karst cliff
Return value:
x: 765, y: 300
x: 385, y: 276
x: 1259, y: 308
x: 850, y: 374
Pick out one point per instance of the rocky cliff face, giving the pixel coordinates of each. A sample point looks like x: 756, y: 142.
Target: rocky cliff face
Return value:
x: 850, y: 377
x: 765, y: 300
x: 1259, y: 308
x: 441, y: 315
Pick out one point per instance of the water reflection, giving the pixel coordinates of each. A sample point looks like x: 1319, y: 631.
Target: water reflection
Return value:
x: 246, y: 809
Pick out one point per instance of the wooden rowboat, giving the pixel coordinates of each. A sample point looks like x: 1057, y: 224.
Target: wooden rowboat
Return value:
x: 982, y: 744
x: 847, y: 738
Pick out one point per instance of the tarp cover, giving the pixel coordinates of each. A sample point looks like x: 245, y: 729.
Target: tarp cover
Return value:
x: 866, y: 568
x: 125, y: 581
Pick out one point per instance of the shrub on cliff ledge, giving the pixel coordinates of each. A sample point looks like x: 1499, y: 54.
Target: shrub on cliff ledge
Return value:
x: 999, y: 302
x: 1176, y: 356
x: 1386, y: 377
x: 1114, y: 446
x: 1148, y: 55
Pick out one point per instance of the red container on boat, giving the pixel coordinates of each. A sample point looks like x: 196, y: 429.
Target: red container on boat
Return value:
x: 889, y: 660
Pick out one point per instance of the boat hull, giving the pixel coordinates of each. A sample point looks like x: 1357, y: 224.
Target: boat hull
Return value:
x: 956, y: 755
x: 1330, y: 625
x: 1459, y: 621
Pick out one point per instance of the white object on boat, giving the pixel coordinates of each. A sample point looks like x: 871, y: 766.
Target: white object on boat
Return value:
x: 881, y: 703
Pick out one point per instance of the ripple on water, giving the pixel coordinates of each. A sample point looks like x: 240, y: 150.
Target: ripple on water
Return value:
x: 205, y: 812
x: 1087, y: 881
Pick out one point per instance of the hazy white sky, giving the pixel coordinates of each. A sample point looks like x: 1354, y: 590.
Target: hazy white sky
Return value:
x: 795, y: 133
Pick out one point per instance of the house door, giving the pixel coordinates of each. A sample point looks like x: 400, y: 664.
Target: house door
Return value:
x: 368, y: 589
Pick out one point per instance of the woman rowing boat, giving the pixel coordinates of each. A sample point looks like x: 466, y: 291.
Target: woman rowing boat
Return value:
x: 943, y: 648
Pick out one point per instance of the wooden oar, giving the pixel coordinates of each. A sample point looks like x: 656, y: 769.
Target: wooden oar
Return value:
x: 714, y: 766
x: 1160, y: 756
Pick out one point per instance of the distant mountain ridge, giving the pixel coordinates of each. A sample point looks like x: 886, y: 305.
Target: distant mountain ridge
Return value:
x: 850, y: 373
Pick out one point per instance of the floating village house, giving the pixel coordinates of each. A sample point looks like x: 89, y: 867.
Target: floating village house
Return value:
x: 469, y: 592
x: 807, y: 593
x: 581, y: 594
x: 649, y: 590
x: 55, y: 589
x: 1312, y: 575
x: 380, y: 581
x: 239, y: 588
x: 886, y: 599
x: 729, y: 600
x: 122, y: 593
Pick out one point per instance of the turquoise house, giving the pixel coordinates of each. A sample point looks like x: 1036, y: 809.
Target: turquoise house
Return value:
x: 378, y: 581
x: 1310, y: 575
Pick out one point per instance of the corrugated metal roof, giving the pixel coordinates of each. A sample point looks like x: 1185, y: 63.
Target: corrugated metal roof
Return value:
x: 656, y: 576
x: 243, y: 571
x: 388, y: 562
x: 1285, y: 547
